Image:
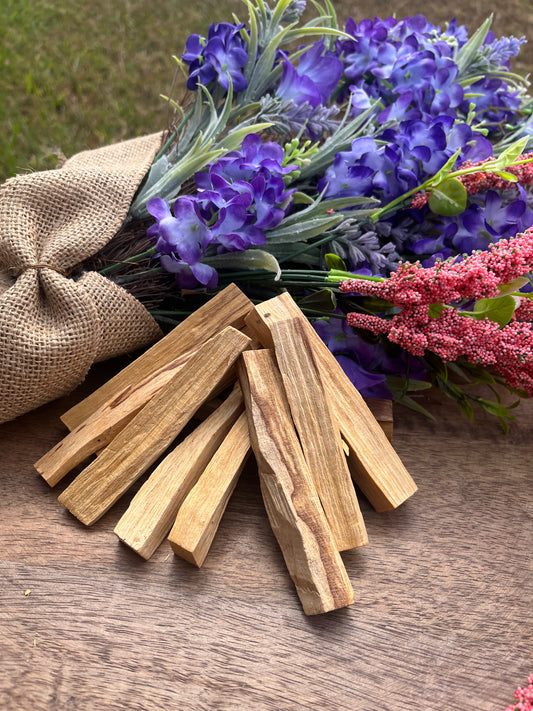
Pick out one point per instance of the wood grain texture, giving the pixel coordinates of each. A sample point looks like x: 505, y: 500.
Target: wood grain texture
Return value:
x: 291, y: 500
x: 199, y: 516
x: 382, y: 411
x: 154, y: 428
x: 375, y: 465
x: 104, y: 424
x: 153, y: 510
x: 227, y: 308
x: 319, y: 434
x: 442, y: 616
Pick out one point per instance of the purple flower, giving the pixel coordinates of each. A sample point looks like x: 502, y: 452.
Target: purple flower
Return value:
x: 243, y: 193
x: 181, y: 240
x: 185, y: 234
x: 366, y: 364
x: 308, y: 87
x: 188, y: 276
x: 322, y: 67
x: 222, y: 56
x: 313, y: 80
x: 488, y: 220
x: 402, y: 159
x: 499, y: 52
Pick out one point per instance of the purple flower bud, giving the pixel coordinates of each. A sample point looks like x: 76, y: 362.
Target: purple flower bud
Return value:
x: 221, y: 56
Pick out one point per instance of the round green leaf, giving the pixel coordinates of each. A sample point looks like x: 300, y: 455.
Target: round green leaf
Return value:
x: 500, y: 309
x: 448, y: 198
x: 333, y: 261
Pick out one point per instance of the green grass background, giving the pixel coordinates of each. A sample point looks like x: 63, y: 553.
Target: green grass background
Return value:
x: 77, y: 75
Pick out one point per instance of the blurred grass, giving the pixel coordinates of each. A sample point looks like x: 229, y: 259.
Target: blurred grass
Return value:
x: 80, y: 75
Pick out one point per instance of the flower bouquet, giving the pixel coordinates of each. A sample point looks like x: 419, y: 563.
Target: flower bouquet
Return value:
x: 378, y: 172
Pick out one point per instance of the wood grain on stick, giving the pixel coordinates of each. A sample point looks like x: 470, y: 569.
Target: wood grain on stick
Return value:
x: 382, y: 410
x: 374, y: 464
x: 319, y: 434
x: 293, y: 507
x: 104, y: 424
x: 199, y: 516
x: 153, y: 509
x: 227, y: 308
x: 152, y: 430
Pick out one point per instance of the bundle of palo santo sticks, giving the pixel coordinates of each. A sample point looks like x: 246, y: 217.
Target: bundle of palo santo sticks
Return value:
x: 289, y: 403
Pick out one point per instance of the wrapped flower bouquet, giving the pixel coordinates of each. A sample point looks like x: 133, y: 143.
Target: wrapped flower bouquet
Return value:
x: 379, y: 172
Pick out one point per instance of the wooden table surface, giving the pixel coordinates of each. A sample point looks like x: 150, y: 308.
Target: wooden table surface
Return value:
x: 442, y: 618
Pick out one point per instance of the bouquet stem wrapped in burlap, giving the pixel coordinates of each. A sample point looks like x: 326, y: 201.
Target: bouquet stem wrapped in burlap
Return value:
x: 53, y: 326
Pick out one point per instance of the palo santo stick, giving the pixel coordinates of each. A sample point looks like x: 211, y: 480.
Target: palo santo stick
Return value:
x: 319, y: 434
x: 151, y: 431
x: 104, y: 424
x: 381, y: 409
x: 153, y: 509
x: 227, y: 308
x: 291, y: 501
x: 375, y: 466
x: 199, y: 516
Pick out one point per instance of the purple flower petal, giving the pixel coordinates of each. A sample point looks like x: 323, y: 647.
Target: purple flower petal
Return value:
x: 158, y: 208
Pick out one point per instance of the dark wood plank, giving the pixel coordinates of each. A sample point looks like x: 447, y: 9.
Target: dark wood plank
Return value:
x: 443, y: 591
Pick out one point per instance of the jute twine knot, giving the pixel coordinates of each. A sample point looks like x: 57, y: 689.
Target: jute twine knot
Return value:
x: 17, y: 271
x: 52, y: 330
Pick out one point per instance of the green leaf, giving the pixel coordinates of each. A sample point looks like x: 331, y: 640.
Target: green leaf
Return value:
x: 299, y: 198
x: 235, y: 137
x: 513, y: 286
x: 249, y: 259
x: 333, y: 261
x: 458, y: 371
x: 499, y: 310
x: 348, y: 202
x: 509, y: 177
x: 466, y: 407
x: 435, y: 310
x: 448, y: 198
x: 399, y: 384
x: 468, y: 51
x: 303, y: 231
x: 510, y: 154
x: 446, y: 168
x: 323, y: 300
x: 494, y: 408
x: 413, y: 405
x: 376, y: 305
x: 311, y: 31
x: 481, y: 375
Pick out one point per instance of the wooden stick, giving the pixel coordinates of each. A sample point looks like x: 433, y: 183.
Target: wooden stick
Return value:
x: 291, y: 501
x: 153, y: 509
x: 227, y: 308
x: 152, y: 430
x: 200, y: 514
x: 381, y: 410
x: 375, y: 466
x: 105, y: 423
x: 319, y: 434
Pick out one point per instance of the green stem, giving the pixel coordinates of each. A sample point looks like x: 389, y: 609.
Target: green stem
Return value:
x: 306, y: 248
x: 128, y: 278
x: 131, y: 260
x: 336, y: 275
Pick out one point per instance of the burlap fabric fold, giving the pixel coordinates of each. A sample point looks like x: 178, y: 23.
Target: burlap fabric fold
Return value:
x: 53, y: 326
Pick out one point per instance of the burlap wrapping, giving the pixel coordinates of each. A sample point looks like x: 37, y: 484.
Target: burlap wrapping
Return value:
x: 52, y: 326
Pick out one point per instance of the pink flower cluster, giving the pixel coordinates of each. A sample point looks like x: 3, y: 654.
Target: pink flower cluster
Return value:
x: 482, y: 180
x: 524, y: 312
x: 524, y: 698
x: 450, y: 335
x: 477, y: 276
x: 508, y: 350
